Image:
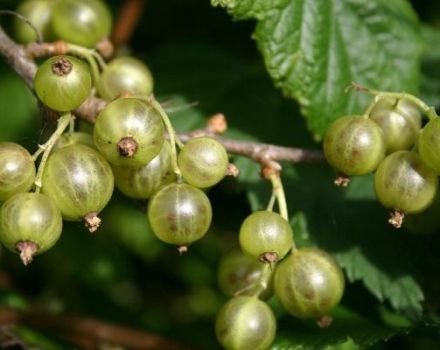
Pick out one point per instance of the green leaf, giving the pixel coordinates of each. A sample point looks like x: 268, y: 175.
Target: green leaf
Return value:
x: 347, y: 331
x: 314, y: 49
x: 430, y: 86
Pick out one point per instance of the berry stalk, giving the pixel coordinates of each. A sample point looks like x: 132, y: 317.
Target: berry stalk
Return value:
x: 63, y: 123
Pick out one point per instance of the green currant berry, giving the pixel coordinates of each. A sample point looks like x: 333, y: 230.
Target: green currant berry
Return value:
x: 17, y: 170
x: 239, y: 274
x: 203, y: 162
x: 309, y: 283
x: 141, y: 183
x: 354, y: 145
x: 81, y: 22
x: 400, y: 121
x: 63, y: 83
x: 179, y: 214
x: 75, y: 138
x: 38, y: 12
x: 405, y: 183
x: 129, y: 132
x: 30, y: 223
x: 265, y: 235
x: 79, y: 181
x: 125, y: 75
x: 428, y: 144
x: 245, y: 323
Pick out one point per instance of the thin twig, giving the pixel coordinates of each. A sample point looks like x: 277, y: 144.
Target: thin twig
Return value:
x: 128, y: 18
x: 87, y: 332
x: 22, y: 62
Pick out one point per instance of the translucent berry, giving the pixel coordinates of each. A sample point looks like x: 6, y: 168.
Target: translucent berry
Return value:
x: 354, y: 145
x: 245, y: 323
x: 309, y: 283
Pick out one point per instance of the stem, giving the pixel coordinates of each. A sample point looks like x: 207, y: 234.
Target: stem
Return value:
x: 63, y: 123
x: 87, y: 54
x: 38, y: 35
x: 173, y: 140
x: 429, y: 111
x: 271, y: 201
x: 265, y: 279
x: 278, y: 191
x: 72, y: 126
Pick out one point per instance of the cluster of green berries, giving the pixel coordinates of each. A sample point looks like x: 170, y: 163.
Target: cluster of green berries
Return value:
x: 389, y: 140
x: 307, y: 282
x: 127, y: 149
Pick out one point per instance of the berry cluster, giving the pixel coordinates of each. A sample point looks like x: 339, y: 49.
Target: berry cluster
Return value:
x: 308, y: 282
x: 389, y: 139
x: 133, y: 147
x: 128, y: 148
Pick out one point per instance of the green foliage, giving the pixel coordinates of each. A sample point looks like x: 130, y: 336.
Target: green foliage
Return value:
x: 314, y: 49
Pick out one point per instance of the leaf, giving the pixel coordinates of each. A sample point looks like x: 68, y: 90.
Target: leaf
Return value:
x: 348, y: 331
x: 313, y: 49
x: 430, y: 86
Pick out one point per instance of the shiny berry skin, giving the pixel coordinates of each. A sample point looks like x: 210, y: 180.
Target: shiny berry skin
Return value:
x: 81, y: 22
x: 404, y: 182
x: 239, y: 274
x: 203, y: 162
x: 266, y: 236
x: 38, y: 12
x: 32, y: 218
x: 400, y: 121
x: 63, y: 83
x: 428, y: 144
x: 245, y: 323
x: 125, y: 75
x: 141, y: 183
x: 79, y: 181
x: 354, y: 145
x: 179, y: 214
x: 74, y: 138
x: 309, y: 283
x: 17, y: 170
x: 129, y: 132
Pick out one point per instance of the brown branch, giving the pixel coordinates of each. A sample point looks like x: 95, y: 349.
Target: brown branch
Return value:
x: 89, y: 333
x: 129, y: 16
x: 21, y: 60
